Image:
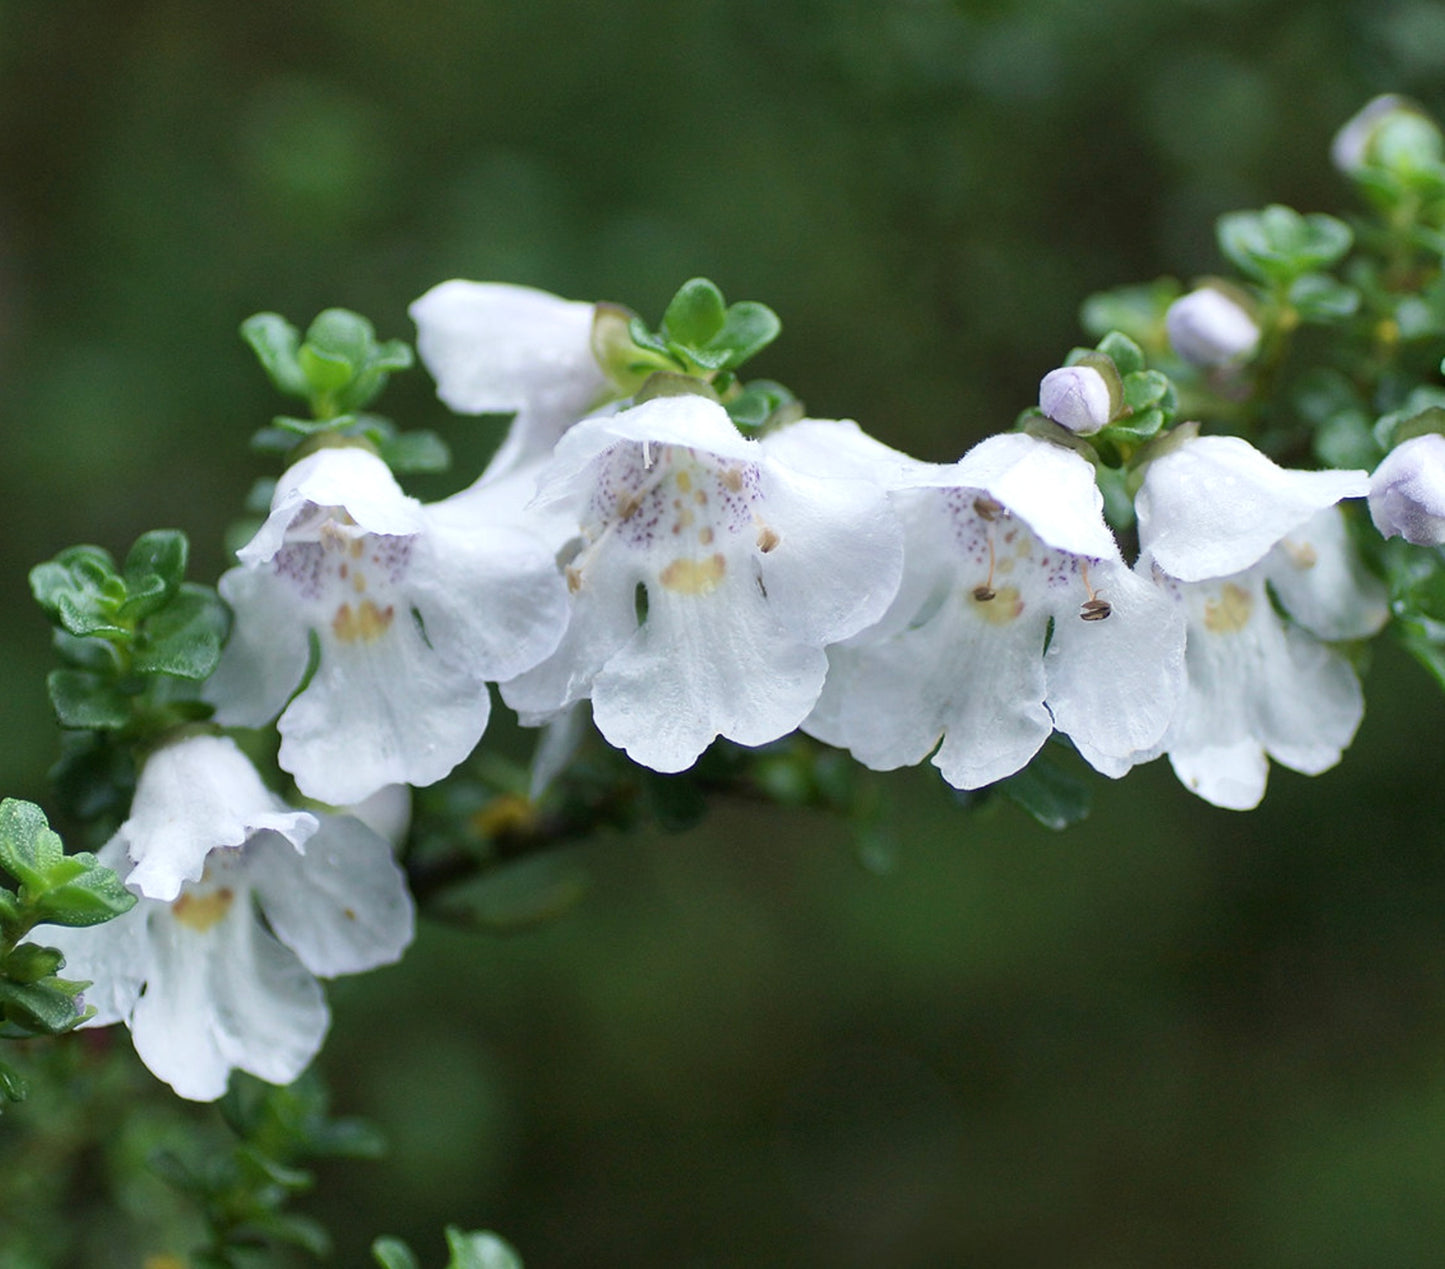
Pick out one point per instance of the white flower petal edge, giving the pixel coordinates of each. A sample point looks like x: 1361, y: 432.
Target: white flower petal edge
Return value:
x: 194, y: 795
x: 1407, y: 491
x: 205, y: 987
x: 497, y: 348
x: 1258, y: 688
x: 999, y: 546
x: 711, y: 573
x: 413, y: 608
x: 1215, y: 505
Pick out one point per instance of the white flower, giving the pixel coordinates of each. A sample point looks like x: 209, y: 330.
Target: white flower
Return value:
x: 1076, y: 397
x: 1350, y: 147
x: 497, y: 348
x: 709, y: 576
x: 1208, y: 328
x: 413, y: 610
x: 1407, y: 491
x: 193, y: 796
x: 206, y: 985
x: 1221, y: 522
x: 1016, y: 615
x: 1389, y: 132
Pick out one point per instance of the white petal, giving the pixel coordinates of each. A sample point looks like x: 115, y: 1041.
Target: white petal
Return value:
x: 389, y: 710
x: 342, y: 907
x: 1114, y: 685
x: 839, y: 447
x: 701, y: 666
x: 195, y: 795
x: 265, y: 658
x: 346, y: 477
x: 229, y: 996
x: 1407, y: 491
x: 1322, y: 582
x: 1231, y: 776
x: 1049, y: 487
x: 1216, y: 505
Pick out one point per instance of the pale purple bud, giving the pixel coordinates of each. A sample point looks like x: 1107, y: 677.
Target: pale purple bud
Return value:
x: 1407, y: 491
x: 1389, y: 131
x: 1076, y: 397
x: 1208, y: 328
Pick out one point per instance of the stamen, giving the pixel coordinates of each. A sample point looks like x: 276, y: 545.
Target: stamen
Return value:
x: 988, y: 509
x: 1094, y: 608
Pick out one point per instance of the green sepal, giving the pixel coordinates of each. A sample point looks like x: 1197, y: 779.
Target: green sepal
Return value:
x: 1138, y: 427
x: 392, y: 1253
x: 624, y: 361
x: 1278, y: 244
x: 1054, y: 796
x: 82, y: 698
x: 695, y: 314
x: 1321, y: 299
x: 184, y: 638
x: 276, y: 344
x: 29, y: 963
x: 763, y: 403
x: 1423, y: 411
x: 480, y: 1250
x: 40, y: 1008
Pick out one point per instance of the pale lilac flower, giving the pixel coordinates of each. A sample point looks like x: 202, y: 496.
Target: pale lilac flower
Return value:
x: 497, y: 348
x: 1407, y: 491
x: 1017, y: 615
x: 708, y: 576
x: 1207, y: 328
x: 1221, y: 523
x: 412, y: 609
x: 222, y: 975
x: 1076, y: 397
x: 1349, y: 151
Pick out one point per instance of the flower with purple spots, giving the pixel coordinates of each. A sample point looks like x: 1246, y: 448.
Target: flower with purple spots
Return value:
x: 412, y: 611
x: 1017, y: 615
x: 708, y: 574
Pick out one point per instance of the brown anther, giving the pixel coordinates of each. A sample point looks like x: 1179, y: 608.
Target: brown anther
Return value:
x: 987, y: 508
x: 984, y: 593
x: 767, y: 539
x: 1096, y: 610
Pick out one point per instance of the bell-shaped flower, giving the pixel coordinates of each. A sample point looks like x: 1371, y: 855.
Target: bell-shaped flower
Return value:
x: 223, y: 975
x: 412, y: 610
x: 195, y: 795
x: 708, y: 576
x: 1017, y: 615
x: 1407, y: 491
x: 497, y: 348
x: 1224, y: 527
x: 1076, y: 397
x: 1209, y: 328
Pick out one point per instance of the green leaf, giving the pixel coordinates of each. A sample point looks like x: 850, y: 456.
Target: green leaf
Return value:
x: 420, y: 451
x: 29, y: 849
x: 81, y: 891
x: 392, y: 1253
x: 80, y: 590
x: 1278, y: 244
x: 1143, y: 388
x: 1136, y: 311
x: 276, y: 342
x: 30, y: 962
x: 326, y: 372
x: 39, y: 1007
x: 184, y: 638
x: 13, y: 1086
x: 517, y: 895
x: 1126, y: 355
x: 1321, y: 299
x: 481, y: 1250
x: 159, y: 555
x: 695, y: 314
x: 748, y: 328
x: 1137, y: 427
x: 1055, y: 797
x: 82, y: 698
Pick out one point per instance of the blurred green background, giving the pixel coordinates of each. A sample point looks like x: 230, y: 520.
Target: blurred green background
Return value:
x: 1173, y: 1035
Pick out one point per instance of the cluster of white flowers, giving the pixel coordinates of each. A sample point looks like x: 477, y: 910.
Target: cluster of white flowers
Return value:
x: 692, y: 582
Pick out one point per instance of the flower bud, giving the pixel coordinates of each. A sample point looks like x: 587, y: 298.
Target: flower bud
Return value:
x: 1209, y: 328
x: 1076, y: 397
x: 1389, y: 132
x: 1407, y: 491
